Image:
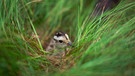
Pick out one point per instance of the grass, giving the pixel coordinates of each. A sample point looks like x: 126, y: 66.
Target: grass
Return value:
x: 103, y: 45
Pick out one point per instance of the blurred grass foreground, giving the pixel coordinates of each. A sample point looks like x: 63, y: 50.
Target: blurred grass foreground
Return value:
x: 104, y: 45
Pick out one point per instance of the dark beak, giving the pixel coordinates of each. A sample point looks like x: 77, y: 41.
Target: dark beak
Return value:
x: 69, y: 43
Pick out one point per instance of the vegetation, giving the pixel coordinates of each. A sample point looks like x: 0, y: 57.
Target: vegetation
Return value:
x: 103, y: 45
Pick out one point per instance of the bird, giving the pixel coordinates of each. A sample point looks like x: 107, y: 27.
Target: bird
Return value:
x: 58, y: 45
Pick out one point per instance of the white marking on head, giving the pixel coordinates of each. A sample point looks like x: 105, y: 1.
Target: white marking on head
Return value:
x: 59, y: 38
x: 67, y: 36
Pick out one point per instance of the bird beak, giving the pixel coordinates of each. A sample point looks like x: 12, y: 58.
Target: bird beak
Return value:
x: 69, y: 43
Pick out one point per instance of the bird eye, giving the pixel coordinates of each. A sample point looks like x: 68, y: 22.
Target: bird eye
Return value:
x: 60, y: 41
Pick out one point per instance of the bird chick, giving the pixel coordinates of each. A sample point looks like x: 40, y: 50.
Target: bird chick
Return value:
x: 58, y: 44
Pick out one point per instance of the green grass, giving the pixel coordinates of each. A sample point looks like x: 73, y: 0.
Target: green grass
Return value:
x: 103, y: 45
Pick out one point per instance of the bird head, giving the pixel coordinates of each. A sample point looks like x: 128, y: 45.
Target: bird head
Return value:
x: 62, y: 38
